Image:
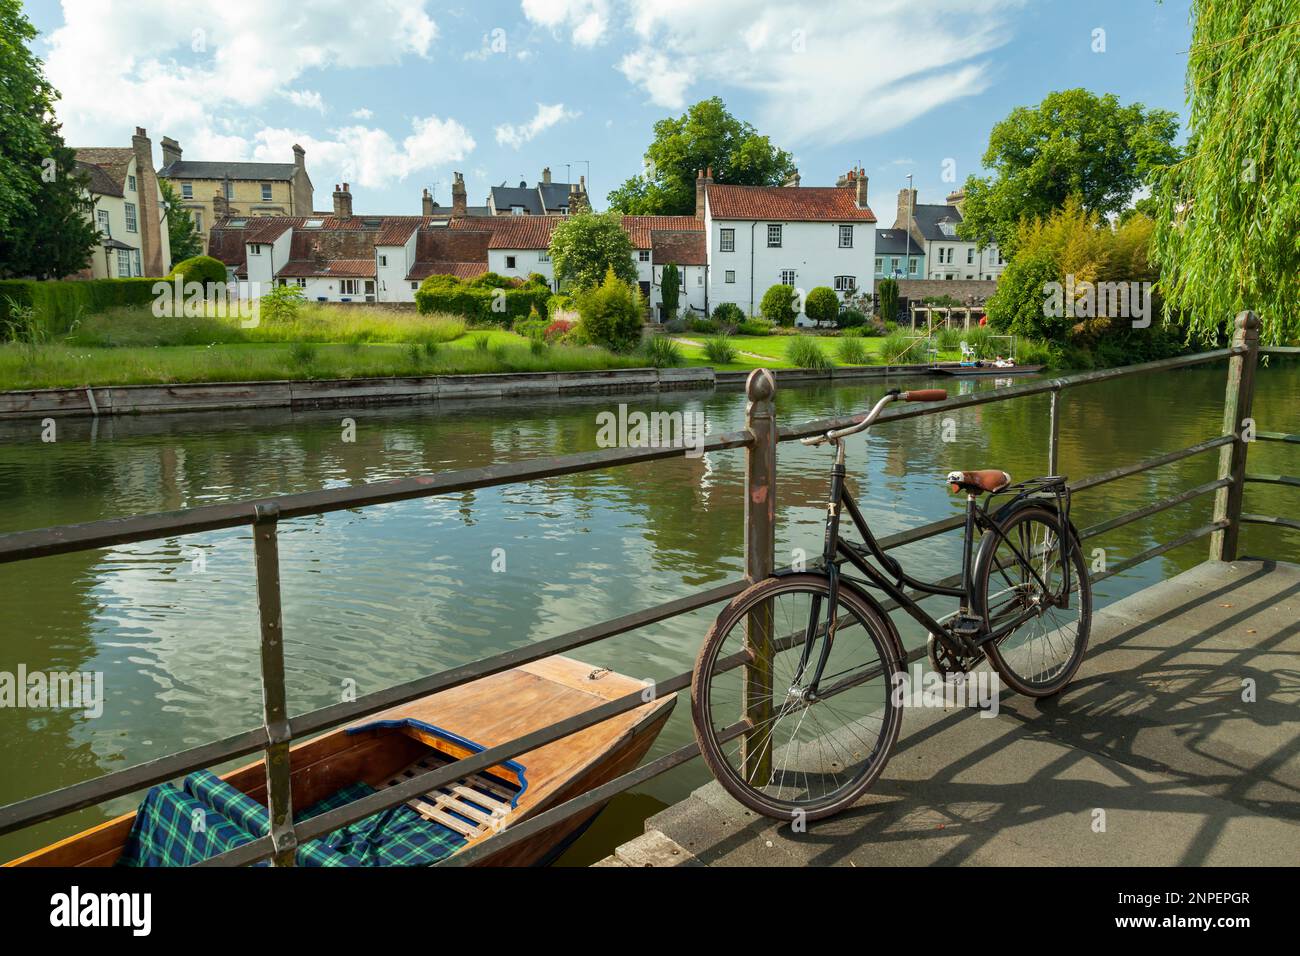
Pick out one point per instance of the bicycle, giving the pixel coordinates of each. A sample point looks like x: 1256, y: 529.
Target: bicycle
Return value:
x: 796, y: 712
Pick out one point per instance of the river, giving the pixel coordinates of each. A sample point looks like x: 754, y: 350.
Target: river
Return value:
x: 379, y: 596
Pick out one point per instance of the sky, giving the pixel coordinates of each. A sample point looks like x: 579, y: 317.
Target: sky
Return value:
x: 392, y: 96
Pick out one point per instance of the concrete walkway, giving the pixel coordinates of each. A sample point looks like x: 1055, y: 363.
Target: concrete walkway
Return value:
x: 1153, y: 740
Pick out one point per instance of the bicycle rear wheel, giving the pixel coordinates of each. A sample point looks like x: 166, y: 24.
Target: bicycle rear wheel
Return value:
x: 774, y: 750
x: 1018, y: 585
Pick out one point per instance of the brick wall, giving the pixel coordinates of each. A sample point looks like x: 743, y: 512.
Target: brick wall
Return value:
x: 960, y: 289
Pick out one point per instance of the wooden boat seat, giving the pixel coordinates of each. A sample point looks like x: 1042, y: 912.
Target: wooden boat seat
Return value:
x: 473, y: 806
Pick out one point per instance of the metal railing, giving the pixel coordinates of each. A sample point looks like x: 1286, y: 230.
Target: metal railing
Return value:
x: 759, y: 439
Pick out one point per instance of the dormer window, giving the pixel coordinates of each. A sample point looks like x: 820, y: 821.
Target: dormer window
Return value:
x: 947, y: 228
x: 313, y: 223
x: 517, y: 210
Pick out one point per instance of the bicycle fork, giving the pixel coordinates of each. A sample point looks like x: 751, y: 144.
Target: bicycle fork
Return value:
x: 833, y: 577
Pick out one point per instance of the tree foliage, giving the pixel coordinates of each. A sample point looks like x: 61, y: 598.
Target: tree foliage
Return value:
x: 586, y: 246
x: 610, y: 314
x: 1228, y: 216
x: 182, y: 234
x: 822, y: 304
x: 669, y: 286
x: 777, y: 304
x: 706, y: 135
x: 887, y: 290
x: 45, y: 231
x: 1073, y: 143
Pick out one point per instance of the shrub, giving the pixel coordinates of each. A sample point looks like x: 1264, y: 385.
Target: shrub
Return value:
x: 822, y: 304
x: 728, y: 313
x: 301, y: 354
x: 611, y: 314
x: 887, y: 290
x: 203, y: 269
x: 852, y: 351
x: 852, y: 319
x: 558, y: 329
x: 804, y: 352
x: 669, y: 286
x: 675, y: 326
x: 481, y: 342
x: 282, y: 303
x: 719, y: 350
x: 777, y: 305
x: 529, y: 326
x: 754, y: 327
x: 662, y: 352
x: 558, y: 303
x: 485, y: 298
x: 57, y: 305
x: 901, y: 346
x: 703, y: 326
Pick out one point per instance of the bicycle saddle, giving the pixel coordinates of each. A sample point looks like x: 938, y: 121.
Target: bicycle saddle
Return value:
x: 989, y: 480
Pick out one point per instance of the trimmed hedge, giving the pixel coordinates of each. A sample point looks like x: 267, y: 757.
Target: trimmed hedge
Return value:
x: 60, y: 303
x: 203, y: 269
x: 476, y: 298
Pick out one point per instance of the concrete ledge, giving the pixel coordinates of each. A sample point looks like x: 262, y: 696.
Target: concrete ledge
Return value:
x: 825, y: 375
x: 212, y: 396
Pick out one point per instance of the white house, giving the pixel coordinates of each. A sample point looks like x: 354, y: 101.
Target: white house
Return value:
x: 128, y: 210
x: 804, y: 236
x: 947, y: 255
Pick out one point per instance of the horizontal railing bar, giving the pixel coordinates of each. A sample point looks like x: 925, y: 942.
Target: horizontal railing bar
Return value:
x: 41, y: 542
x: 1281, y: 350
x: 896, y: 413
x: 1155, y: 552
x: 1275, y: 520
x: 1289, y: 480
x: 1278, y: 436
x: 1115, y: 474
x: 121, y: 782
x: 309, y: 723
x: 1164, y: 505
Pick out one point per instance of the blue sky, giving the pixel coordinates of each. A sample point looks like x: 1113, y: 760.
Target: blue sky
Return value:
x: 393, y: 95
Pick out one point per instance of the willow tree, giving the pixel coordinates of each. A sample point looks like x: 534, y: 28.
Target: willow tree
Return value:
x: 1228, y: 216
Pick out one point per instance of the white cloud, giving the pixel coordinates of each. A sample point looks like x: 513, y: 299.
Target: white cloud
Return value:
x: 586, y: 20
x: 306, y: 99
x: 822, y: 71
x: 362, y: 114
x: 545, y: 117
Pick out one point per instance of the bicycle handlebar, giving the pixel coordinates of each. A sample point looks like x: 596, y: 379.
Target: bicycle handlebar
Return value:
x: 919, y: 395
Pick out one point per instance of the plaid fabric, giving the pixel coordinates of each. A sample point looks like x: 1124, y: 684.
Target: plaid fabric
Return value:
x: 206, y: 817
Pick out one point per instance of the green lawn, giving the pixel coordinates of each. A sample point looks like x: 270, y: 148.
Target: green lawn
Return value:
x: 772, y: 348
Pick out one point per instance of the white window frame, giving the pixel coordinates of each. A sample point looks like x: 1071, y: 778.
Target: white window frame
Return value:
x: 510, y: 262
x: 102, y: 220
x: 913, y: 265
x: 774, y: 231
x: 727, y: 240
x: 383, y: 260
x: 793, y: 277
x: 132, y: 223
x: 348, y: 287
x: 880, y: 265
x: 846, y: 283
x: 846, y: 236
x: 643, y: 255
x: 729, y: 276
x: 970, y: 255
x: 187, y: 190
x: 197, y: 216
x: 266, y: 192
x: 123, y: 263
x: 136, y: 267
x: 130, y: 183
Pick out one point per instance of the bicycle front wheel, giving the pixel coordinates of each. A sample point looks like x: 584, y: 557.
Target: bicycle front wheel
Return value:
x: 779, y: 750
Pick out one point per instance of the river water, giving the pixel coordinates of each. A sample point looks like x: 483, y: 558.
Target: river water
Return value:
x: 379, y: 596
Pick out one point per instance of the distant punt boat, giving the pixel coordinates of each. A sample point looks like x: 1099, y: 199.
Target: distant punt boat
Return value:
x: 388, y: 748
x: 1001, y: 372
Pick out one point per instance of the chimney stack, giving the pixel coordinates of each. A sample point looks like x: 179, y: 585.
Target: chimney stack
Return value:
x: 793, y: 179
x: 862, y: 189
x: 578, y: 197
x: 151, y: 212
x: 906, y: 218
x: 427, y: 203
x: 458, y: 196
x: 703, y: 180
x: 171, y: 151
x: 546, y: 175
x: 957, y: 198
x: 220, y: 205
x: 343, y: 202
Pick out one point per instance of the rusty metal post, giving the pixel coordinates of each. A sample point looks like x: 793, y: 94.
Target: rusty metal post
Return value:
x: 760, y: 562
x: 279, y: 795
x: 1237, y: 402
x: 1054, y: 435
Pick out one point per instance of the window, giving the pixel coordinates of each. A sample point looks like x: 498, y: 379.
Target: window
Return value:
x: 348, y: 287
x: 101, y: 216
x: 845, y: 283
x: 123, y: 263
x: 893, y: 266
x: 880, y: 264
x: 846, y: 237
x: 543, y: 256
x: 787, y: 277
x: 383, y: 260
x: 313, y: 223
x: 135, y: 261
x: 643, y: 255
x: 517, y: 210
x: 266, y: 192
x: 914, y: 266
x: 187, y: 190
x: 729, y: 276
x: 130, y: 183
x: 300, y: 283
x: 947, y: 228
x: 727, y: 240
x: 198, y: 218
x: 699, y: 278
x: 415, y: 285
x: 510, y: 262
x: 131, y: 224
x: 970, y: 257
x: 254, y: 249
x: 774, y: 236
x: 229, y: 189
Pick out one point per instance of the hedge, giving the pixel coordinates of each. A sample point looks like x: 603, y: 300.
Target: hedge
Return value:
x: 60, y: 303
x: 476, y: 298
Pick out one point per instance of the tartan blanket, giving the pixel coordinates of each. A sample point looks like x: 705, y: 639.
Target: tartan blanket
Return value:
x: 205, y: 817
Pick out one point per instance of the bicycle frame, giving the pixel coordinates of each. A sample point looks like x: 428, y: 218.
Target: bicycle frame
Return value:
x: 963, y: 640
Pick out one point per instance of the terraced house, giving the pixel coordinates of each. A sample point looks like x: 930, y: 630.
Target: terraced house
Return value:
x: 947, y: 256
x: 128, y: 210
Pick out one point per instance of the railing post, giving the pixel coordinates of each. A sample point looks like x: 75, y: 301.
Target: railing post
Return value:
x: 1054, y: 435
x: 1237, y: 404
x: 760, y: 562
x: 279, y: 798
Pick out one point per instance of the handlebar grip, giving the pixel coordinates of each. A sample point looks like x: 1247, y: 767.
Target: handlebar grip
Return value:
x: 925, y: 395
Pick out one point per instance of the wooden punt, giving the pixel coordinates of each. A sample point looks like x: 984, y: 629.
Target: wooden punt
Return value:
x: 1000, y: 372
x: 419, y: 736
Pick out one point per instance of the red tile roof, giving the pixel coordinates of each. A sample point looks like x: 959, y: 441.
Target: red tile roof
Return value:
x: 512, y: 232
x: 396, y: 233
x: 344, y: 268
x: 678, y: 247
x: 267, y: 230
x: 461, y: 270
x: 639, y: 228
x: 789, y: 203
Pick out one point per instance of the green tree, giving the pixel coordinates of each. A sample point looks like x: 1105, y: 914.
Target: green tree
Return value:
x: 182, y: 234
x: 887, y: 290
x: 706, y: 135
x: 777, y: 304
x: 822, y: 304
x: 670, y: 284
x: 610, y: 314
x: 1229, y: 214
x: 586, y: 246
x: 1073, y: 143
x: 45, y: 227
